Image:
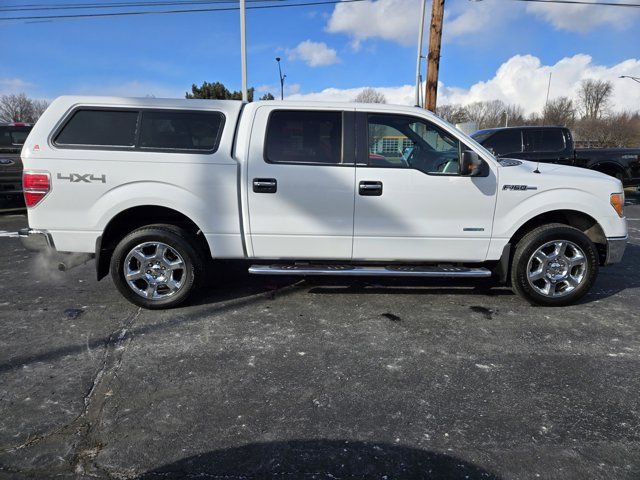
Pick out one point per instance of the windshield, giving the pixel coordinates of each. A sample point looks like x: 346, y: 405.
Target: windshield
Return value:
x: 471, y: 141
x: 18, y: 137
x: 481, y: 136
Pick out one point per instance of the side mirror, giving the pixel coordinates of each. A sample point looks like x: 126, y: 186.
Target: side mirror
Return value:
x: 470, y: 164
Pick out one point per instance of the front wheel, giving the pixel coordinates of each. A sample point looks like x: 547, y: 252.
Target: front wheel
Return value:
x: 554, y: 265
x: 156, y: 266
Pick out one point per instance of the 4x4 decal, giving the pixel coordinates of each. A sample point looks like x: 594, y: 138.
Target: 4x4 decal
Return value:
x: 86, y: 178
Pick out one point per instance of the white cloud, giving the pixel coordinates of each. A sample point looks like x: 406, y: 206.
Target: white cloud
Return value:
x: 393, y: 20
x: 403, y: 95
x: 315, y: 54
x: 13, y: 85
x: 584, y: 18
x: 133, y: 88
x: 522, y: 79
x: 291, y: 88
x: 398, y: 20
x: 470, y: 18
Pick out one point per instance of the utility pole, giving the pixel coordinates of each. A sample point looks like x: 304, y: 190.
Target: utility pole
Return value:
x: 419, y: 58
x: 433, y: 58
x: 243, y: 50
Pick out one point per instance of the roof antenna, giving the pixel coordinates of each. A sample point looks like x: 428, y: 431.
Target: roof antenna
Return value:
x: 537, y: 170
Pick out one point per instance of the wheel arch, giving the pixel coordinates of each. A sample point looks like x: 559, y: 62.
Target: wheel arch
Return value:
x: 610, y: 168
x: 132, y: 218
x: 573, y: 218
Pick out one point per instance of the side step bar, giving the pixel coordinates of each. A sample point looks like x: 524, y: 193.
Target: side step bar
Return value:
x: 380, y: 271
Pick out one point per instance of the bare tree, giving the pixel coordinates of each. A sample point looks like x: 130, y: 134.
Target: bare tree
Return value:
x: 615, y: 130
x: 370, y: 95
x: 20, y: 108
x: 452, y: 113
x: 38, y: 107
x: 514, y: 115
x: 594, y: 97
x: 15, y: 108
x: 559, y: 111
x: 487, y: 114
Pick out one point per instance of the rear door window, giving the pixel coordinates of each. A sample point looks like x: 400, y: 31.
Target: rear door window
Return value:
x: 543, y: 140
x: 505, y: 141
x: 172, y: 130
x: 304, y: 137
x: 113, y: 128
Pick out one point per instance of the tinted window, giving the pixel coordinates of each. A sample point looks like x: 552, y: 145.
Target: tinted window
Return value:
x: 548, y: 140
x: 18, y: 137
x: 100, y: 127
x: 304, y: 137
x: 180, y: 130
x: 505, y: 141
x: 406, y: 142
x: 13, y: 136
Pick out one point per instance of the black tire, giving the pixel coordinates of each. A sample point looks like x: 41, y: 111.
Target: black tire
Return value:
x: 529, y: 245
x: 179, y: 242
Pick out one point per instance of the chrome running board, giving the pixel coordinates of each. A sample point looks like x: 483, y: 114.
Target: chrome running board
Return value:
x: 378, y: 271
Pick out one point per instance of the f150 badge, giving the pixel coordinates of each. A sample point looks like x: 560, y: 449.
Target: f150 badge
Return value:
x: 518, y: 187
x: 86, y: 178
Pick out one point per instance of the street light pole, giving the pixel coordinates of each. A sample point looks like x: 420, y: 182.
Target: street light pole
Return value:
x: 635, y: 79
x: 243, y: 50
x: 282, y: 77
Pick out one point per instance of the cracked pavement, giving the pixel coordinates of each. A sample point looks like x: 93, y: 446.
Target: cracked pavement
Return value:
x: 282, y: 378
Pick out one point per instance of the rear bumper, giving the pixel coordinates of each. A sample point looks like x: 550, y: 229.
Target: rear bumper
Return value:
x: 36, y: 240
x: 615, y: 249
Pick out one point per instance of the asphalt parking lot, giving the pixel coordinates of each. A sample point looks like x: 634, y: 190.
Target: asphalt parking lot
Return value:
x: 287, y: 379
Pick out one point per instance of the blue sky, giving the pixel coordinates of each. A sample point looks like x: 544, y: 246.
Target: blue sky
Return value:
x: 347, y: 47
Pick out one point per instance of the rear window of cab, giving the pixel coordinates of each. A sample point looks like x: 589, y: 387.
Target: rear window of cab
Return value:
x: 184, y: 131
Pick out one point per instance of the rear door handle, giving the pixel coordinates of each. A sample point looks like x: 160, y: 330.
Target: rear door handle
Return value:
x: 265, y: 185
x: 370, y: 188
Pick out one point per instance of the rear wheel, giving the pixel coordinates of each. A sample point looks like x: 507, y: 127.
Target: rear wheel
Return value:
x: 554, y: 265
x: 158, y: 266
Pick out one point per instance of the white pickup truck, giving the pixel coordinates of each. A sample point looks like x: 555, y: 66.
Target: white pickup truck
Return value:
x: 157, y: 188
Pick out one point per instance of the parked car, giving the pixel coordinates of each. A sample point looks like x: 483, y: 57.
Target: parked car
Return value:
x: 12, y: 136
x: 156, y: 188
x: 555, y: 145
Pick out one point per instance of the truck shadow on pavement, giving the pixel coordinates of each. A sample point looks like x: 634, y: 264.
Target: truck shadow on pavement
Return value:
x: 236, y: 282
x: 243, y: 289
x: 321, y: 459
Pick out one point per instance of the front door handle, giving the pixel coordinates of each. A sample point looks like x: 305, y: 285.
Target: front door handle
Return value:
x: 265, y: 185
x: 370, y: 188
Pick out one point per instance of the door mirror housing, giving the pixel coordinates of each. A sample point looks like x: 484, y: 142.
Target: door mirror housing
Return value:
x: 470, y: 164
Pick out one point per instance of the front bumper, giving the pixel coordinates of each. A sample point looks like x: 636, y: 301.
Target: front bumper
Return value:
x: 615, y: 249
x: 36, y: 240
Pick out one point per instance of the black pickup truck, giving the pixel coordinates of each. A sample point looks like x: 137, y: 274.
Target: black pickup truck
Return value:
x: 12, y: 137
x: 555, y: 145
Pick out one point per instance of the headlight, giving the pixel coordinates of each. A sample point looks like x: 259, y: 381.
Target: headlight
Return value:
x: 617, y: 202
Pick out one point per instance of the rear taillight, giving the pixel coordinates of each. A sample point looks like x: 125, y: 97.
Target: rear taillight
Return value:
x: 36, y: 185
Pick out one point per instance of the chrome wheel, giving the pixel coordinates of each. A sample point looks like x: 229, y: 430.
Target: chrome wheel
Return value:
x: 557, y: 268
x: 154, y: 270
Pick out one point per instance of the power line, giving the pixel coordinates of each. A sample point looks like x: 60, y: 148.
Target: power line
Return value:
x: 76, y: 6
x: 261, y: 7
x: 165, y: 12
x: 582, y: 2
